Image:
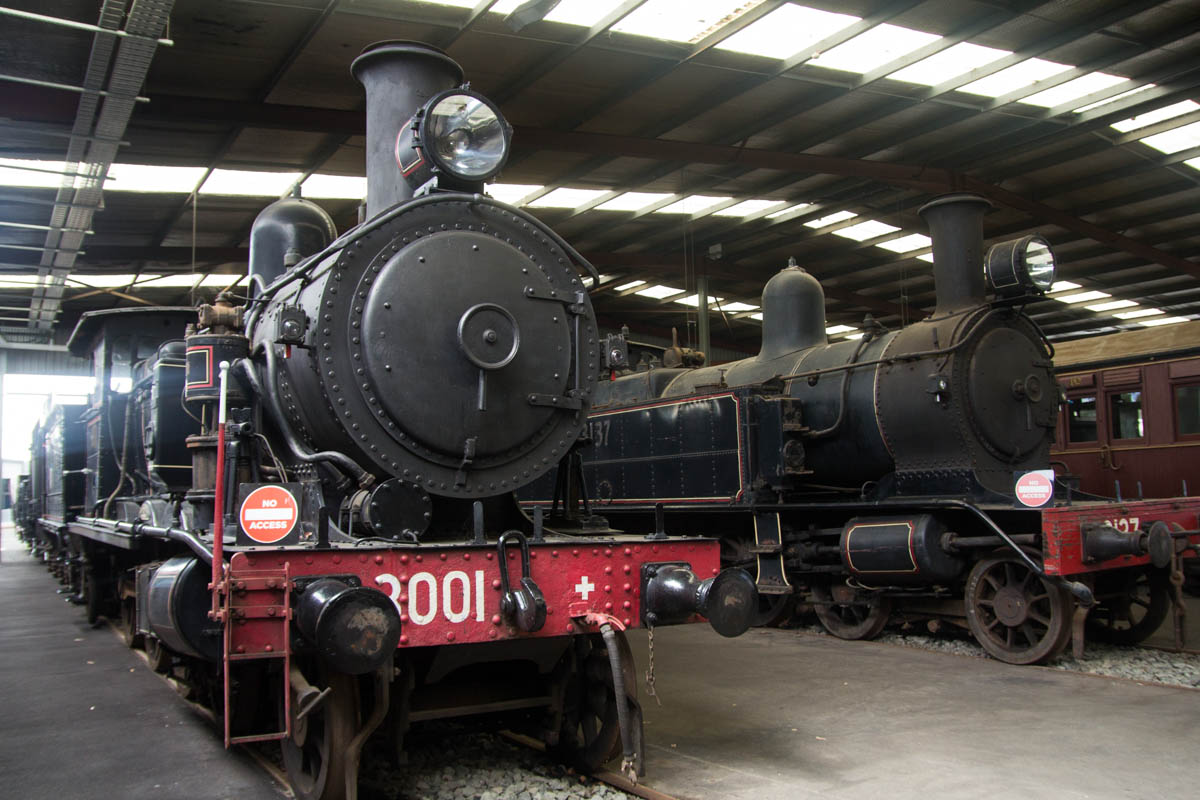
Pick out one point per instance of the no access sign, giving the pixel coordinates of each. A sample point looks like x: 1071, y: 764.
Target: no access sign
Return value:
x: 269, y: 514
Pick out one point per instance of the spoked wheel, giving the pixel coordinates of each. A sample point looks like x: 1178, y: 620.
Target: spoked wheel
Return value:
x: 1130, y: 605
x: 160, y: 656
x: 772, y: 610
x: 850, y: 614
x: 591, y: 734
x: 315, y: 754
x: 129, y: 622
x: 1015, y: 614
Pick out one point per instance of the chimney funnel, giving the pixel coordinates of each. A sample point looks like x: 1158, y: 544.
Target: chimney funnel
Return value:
x: 956, y: 226
x: 399, y: 77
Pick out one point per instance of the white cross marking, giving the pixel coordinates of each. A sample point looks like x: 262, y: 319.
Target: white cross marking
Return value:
x: 585, y: 587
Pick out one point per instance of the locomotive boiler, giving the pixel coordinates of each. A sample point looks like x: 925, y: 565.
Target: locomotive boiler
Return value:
x: 906, y: 468
x: 303, y: 507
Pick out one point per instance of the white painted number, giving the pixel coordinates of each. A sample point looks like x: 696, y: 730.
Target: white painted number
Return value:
x: 457, y: 596
x: 1124, y: 524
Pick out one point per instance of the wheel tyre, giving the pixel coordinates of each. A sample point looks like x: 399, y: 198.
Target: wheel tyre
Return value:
x: 316, y: 764
x: 1113, y: 621
x: 129, y: 623
x: 160, y: 656
x: 1039, y: 611
x: 851, y: 621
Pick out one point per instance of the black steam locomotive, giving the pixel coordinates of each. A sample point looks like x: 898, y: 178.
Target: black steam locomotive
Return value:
x: 304, y: 505
x: 907, y: 468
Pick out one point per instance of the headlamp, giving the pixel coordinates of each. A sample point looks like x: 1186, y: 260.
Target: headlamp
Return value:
x: 458, y: 136
x: 1020, y: 266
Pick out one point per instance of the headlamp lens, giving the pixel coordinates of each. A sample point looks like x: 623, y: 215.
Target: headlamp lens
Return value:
x: 468, y: 136
x: 1039, y: 264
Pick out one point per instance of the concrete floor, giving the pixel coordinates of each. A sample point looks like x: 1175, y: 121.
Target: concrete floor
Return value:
x: 772, y: 715
x: 81, y: 716
x: 777, y: 714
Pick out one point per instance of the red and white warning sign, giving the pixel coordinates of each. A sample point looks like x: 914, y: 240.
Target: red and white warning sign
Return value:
x: 268, y: 514
x: 1036, y: 488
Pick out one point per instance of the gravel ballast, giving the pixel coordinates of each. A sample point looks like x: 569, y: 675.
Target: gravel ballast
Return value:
x: 1133, y: 663
x: 479, y: 766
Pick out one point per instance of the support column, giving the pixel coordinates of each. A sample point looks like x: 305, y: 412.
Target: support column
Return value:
x: 702, y: 327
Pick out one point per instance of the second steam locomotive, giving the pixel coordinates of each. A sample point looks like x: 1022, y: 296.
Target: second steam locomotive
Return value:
x: 907, y: 470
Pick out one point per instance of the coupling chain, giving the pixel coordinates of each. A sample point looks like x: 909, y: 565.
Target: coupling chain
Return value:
x: 650, y: 672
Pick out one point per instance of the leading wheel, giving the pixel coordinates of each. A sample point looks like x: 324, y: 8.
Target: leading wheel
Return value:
x: 314, y: 756
x: 1015, y: 614
x: 591, y: 734
x: 1130, y: 605
x: 850, y: 614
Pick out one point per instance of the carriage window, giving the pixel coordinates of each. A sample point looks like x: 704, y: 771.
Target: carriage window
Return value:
x: 1125, y: 415
x: 1081, y: 419
x: 1187, y: 409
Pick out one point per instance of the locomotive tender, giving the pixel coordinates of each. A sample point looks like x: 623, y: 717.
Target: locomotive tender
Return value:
x: 907, y: 468
x: 304, y: 506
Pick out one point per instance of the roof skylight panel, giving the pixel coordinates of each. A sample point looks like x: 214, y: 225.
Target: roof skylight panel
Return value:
x: 787, y: 30
x: 184, y: 280
x: 221, y: 280
x: 832, y: 219
x: 1082, y: 297
x: 867, y: 229
x: 11, y: 281
x: 567, y: 198
x: 1018, y: 76
x: 926, y: 257
x: 334, y: 187
x: 1141, y: 312
x: 511, y: 193
x: 747, y: 207
x: 736, y: 307
x: 1114, y: 98
x: 783, y: 212
x: 105, y: 281
x: 874, y: 48
x: 1074, y: 89
x: 949, y: 64
x: 1157, y: 115
x: 630, y: 285
x: 568, y: 12
x: 834, y: 330
x: 693, y: 300
x: 907, y: 244
x: 248, y: 184
x: 693, y: 204
x: 659, y: 292
x: 1062, y: 286
x: 1150, y: 323
x: 1112, y: 306
x: 681, y: 20
x: 1174, y: 140
x: 38, y: 175
x: 151, y: 178
x: 633, y: 201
